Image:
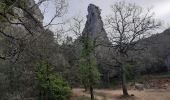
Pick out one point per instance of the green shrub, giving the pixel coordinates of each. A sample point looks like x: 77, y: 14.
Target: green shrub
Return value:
x: 130, y: 72
x: 51, y: 85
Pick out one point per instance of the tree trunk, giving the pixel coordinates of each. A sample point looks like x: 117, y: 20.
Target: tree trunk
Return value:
x: 168, y: 70
x: 40, y: 95
x: 123, y: 79
x: 108, y: 78
x: 85, y: 88
x: 46, y: 94
x: 91, y: 92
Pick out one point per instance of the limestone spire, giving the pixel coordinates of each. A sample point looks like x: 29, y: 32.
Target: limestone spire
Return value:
x: 94, y: 24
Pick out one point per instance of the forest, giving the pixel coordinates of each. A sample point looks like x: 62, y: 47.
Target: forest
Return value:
x: 122, y: 55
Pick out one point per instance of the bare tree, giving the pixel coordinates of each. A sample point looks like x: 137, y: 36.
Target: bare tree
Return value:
x: 127, y: 25
x: 78, y: 25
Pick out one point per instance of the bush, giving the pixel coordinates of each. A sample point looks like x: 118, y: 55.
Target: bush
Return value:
x: 130, y: 72
x: 51, y: 85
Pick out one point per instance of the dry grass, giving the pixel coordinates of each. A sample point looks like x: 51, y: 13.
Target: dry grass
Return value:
x: 154, y: 94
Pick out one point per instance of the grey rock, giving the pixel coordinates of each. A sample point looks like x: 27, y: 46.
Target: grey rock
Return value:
x: 139, y: 86
x: 94, y: 25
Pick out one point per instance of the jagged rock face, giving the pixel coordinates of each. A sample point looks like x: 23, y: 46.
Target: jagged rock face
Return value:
x: 95, y: 30
x: 94, y: 25
x: 33, y: 20
x: 30, y: 28
x: 25, y: 41
x: 36, y: 10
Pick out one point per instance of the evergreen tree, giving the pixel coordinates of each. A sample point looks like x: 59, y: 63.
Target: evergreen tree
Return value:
x: 88, y: 69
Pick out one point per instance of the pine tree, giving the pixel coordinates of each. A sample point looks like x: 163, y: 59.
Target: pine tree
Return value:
x: 88, y: 69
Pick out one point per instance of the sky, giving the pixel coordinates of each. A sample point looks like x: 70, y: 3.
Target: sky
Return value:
x: 161, y: 8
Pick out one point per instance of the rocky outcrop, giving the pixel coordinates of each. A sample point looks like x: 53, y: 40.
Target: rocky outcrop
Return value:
x: 18, y: 45
x: 94, y: 25
x: 36, y: 10
x: 29, y: 27
x: 94, y: 28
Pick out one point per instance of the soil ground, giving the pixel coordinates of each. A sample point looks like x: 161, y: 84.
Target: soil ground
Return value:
x: 104, y: 94
x: 159, y: 89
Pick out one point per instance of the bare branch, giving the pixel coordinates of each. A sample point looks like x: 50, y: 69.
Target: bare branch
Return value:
x: 129, y: 24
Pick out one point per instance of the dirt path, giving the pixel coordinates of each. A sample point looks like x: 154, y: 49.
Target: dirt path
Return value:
x: 160, y: 94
